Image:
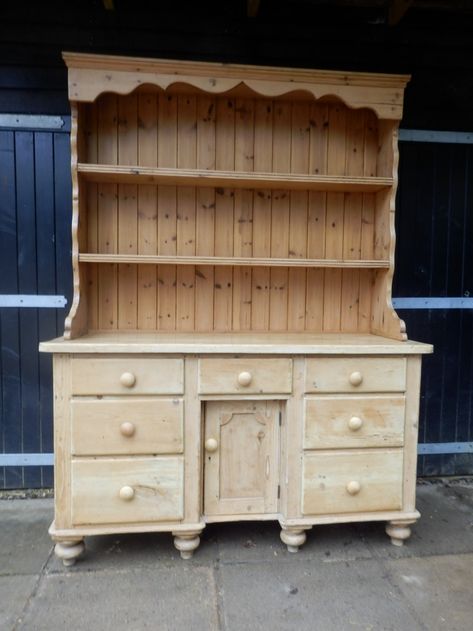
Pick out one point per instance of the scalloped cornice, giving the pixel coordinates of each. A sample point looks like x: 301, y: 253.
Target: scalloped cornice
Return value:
x: 92, y: 75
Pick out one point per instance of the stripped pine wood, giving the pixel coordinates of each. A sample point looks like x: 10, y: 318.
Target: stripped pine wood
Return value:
x: 127, y: 213
x: 107, y: 151
x: 282, y: 120
x: 186, y: 201
x: 167, y: 211
x: 334, y: 218
x: 91, y: 136
x: 147, y: 211
x: 352, y: 222
x: 316, y: 220
x: 205, y: 215
x: 243, y: 214
x: 297, y: 278
x: 224, y: 198
x: 263, y: 152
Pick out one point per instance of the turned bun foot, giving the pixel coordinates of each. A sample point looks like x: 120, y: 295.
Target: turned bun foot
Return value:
x: 186, y: 543
x: 69, y: 551
x: 293, y: 539
x: 399, y: 531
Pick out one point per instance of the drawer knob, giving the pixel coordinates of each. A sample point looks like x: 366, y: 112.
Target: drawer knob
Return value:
x: 211, y: 445
x: 355, y: 378
x: 128, y: 379
x: 355, y: 423
x: 127, y: 429
x: 353, y: 487
x: 244, y: 378
x: 127, y: 493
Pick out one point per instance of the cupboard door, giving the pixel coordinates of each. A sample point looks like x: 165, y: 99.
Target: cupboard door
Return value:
x: 241, y: 457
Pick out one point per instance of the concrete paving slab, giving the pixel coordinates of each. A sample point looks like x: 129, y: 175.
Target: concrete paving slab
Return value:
x: 438, y: 588
x: 168, y: 599
x: 445, y: 527
x: 260, y: 541
x: 24, y: 540
x: 118, y: 552
x: 14, y: 594
x: 309, y: 596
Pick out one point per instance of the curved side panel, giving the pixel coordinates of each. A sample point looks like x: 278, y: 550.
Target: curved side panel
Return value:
x: 384, y: 319
x: 76, y: 321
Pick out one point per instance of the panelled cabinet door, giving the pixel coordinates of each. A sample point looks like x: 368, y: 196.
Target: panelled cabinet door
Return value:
x: 241, y: 457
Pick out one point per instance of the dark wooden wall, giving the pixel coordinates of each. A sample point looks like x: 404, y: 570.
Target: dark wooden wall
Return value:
x: 435, y: 218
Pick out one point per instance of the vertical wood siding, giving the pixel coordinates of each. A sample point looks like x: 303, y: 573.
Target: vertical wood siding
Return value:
x: 435, y: 258
x: 35, y: 214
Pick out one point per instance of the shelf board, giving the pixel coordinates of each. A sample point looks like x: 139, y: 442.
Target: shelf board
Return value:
x: 139, y: 259
x: 120, y: 174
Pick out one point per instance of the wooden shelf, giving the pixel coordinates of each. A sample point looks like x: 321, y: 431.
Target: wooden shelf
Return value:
x: 139, y: 259
x: 120, y: 174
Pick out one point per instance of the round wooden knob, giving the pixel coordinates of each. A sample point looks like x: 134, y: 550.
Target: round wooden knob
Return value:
x: 353, y: 487
x: 244, y: 378
x: 127, y: 429
x: 211, y: 445
x: 128, y: 379
x: 355, y: 423
x: 127, y: 493
x: 355, y: 378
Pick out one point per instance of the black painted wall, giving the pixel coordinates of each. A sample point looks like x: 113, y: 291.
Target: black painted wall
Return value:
x: 435, y: 218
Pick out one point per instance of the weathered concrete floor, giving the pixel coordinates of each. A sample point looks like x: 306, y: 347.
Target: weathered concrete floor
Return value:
x: 242, y: 578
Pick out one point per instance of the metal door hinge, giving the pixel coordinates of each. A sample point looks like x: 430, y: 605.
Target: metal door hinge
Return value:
x: 280, y: 418
x: 279, y: 491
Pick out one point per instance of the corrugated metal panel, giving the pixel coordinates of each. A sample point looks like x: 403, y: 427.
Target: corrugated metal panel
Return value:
x: 35, y: 213
x: 434, y: 257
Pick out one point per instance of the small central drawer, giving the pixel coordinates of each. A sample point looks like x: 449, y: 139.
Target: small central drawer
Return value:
x: 344, y: 421
x: 125, y: 490
x: 356, y: 374
x: 127, y: 375
x: 350, y: 482
x: 242, y: 375
x: 127, y: 426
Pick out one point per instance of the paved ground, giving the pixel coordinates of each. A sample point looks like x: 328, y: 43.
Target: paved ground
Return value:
x: 242, y: 578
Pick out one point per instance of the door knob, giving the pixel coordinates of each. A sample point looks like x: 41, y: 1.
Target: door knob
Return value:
x: 128, y: 379
x: 355, y: 378
x: 211, y: 445
x: 355, y: 423
x: 127, y: 493
x: 353, y: 487
x: 127, y: 429
x: 245, y: 378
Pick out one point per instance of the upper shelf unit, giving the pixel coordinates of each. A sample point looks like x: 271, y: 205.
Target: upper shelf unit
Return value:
x: 120, y: 174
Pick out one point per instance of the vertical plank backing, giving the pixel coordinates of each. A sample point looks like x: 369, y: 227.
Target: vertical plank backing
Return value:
x: 205, y: 217
x: 167, y: 236
x: 224, y: 202
x: 316, y: 219
x: 334, y: 222
x: 282, y: 124
x: 352, y: 222
x: 263, y: 150
x: 147, y: 211
x: 186, y: 199
x: 127, y: 212
x: 91, y: 139
x: 243, y: 215
x: 367, y: 220
x: 300, y: 139
x: 107, y: 152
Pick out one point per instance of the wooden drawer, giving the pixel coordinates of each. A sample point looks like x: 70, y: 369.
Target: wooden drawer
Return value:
x: 242, y: 375
x: 126, y: 490
x: 128, y: 375
x: 351, y: 482
x: 356, y: 374
x: 127, y: 426
x: 332, y: 422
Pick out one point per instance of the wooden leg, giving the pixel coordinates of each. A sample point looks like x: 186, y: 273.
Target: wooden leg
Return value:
x: 69, y: 550
x: 399, y: 531
x: 293, y: 538
x: 186, y: 543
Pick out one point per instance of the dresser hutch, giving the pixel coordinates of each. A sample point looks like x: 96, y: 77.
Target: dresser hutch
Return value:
x: 232, y: 352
